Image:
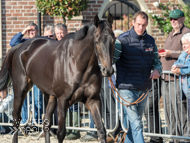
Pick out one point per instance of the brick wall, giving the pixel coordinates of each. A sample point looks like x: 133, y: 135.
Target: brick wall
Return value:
x: 17, y: 14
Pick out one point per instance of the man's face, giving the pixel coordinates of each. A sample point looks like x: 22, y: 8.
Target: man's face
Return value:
x: 49, y: 34
x: 60, y: 33
x: 32, y: 33
x: 140, y: 25
x: 177, y: 23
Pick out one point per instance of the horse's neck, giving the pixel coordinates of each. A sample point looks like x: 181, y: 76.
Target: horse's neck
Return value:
x: 93, y: 59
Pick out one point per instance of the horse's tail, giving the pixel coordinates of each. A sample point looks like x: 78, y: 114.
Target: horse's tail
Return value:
x: 6, y: 69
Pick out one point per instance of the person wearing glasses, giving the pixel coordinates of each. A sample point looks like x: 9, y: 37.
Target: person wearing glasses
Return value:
x: 49, y: 32
x: 171, y: 93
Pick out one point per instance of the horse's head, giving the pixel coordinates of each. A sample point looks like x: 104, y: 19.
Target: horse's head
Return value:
x: 104, y: 44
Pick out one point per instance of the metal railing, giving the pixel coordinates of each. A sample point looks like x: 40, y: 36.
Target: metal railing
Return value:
x: 164, y: 130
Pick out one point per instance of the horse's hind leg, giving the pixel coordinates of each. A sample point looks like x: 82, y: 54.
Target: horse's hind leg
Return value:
x: 52, y: 102
x: 20, y: 88
x: 94, y: 105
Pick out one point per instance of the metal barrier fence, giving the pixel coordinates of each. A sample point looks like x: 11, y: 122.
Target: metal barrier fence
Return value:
x: 111, y: 117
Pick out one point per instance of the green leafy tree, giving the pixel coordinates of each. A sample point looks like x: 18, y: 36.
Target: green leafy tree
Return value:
x: 162, y: 21
x: 62, y: 8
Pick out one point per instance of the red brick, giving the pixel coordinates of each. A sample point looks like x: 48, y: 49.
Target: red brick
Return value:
x: 17, y: 14
x: 11, y: 3
x: 22, y: 18
x: 32, y: 3
x: 17, y: 7
x: 7, y: 14
x: 11, y: 18
x: 28, y: 14
x: 28, y: 6
x: 22, y: 3
x: 17, y: 22
x: 11, y: 34
x: 17, y: 30
x: 100, y: 2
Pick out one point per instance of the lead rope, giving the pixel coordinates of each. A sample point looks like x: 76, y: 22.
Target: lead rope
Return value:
x: 141, y: 98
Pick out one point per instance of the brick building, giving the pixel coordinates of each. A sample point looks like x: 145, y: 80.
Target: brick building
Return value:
x: 15, y: 15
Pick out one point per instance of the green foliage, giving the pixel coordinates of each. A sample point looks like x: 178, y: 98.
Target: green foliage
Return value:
x: 62, y: 8
x: 162, y: 21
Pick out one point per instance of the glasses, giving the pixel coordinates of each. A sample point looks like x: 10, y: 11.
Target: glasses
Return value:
x: 50, y: 36
x: 174, y: 19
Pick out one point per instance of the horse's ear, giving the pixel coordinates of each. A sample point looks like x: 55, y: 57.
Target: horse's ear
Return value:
x: 81, y: 34
x: 96, y: 20
x: 110, y: 19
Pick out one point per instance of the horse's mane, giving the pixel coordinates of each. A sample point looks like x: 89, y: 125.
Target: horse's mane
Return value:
x: 81, y: 34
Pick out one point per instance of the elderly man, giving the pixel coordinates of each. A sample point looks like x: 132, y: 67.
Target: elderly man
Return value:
x: 173, y: 48
x: 60, y: 31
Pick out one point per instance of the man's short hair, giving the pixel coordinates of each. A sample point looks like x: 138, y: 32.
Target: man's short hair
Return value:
x: 49, y: 28
x: 61, y: 26
x: 142, y: 14
x: 33, y: 24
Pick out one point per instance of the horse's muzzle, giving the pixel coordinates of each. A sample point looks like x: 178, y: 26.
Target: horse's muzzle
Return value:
x: 107, y: 71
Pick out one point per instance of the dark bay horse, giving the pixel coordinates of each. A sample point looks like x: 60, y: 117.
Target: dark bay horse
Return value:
x: 66, y: 70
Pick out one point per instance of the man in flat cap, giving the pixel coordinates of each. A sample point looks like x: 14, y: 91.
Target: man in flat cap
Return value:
x: 170, y: 91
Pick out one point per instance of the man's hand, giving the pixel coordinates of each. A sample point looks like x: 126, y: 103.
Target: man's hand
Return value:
x: 27, y: 29
x: 175, y: 70
x: 165, y: 54
x: 155, y: 74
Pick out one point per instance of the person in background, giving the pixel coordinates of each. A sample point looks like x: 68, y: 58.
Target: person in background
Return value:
x: 6, y: 108
x: 60, y: 31
x: 137, y: 56
x: 32, y: 31
x: 170, y: 91
x: 184, y: 60
x: 49, y: 32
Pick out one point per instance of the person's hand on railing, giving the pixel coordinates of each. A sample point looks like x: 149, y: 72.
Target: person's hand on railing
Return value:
x: 175, y: 70
x: 155, y: 74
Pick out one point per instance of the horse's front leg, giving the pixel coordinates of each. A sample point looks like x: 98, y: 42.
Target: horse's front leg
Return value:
x: 52, y: 102
x: 61, y: 110
x: 94, y: 105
